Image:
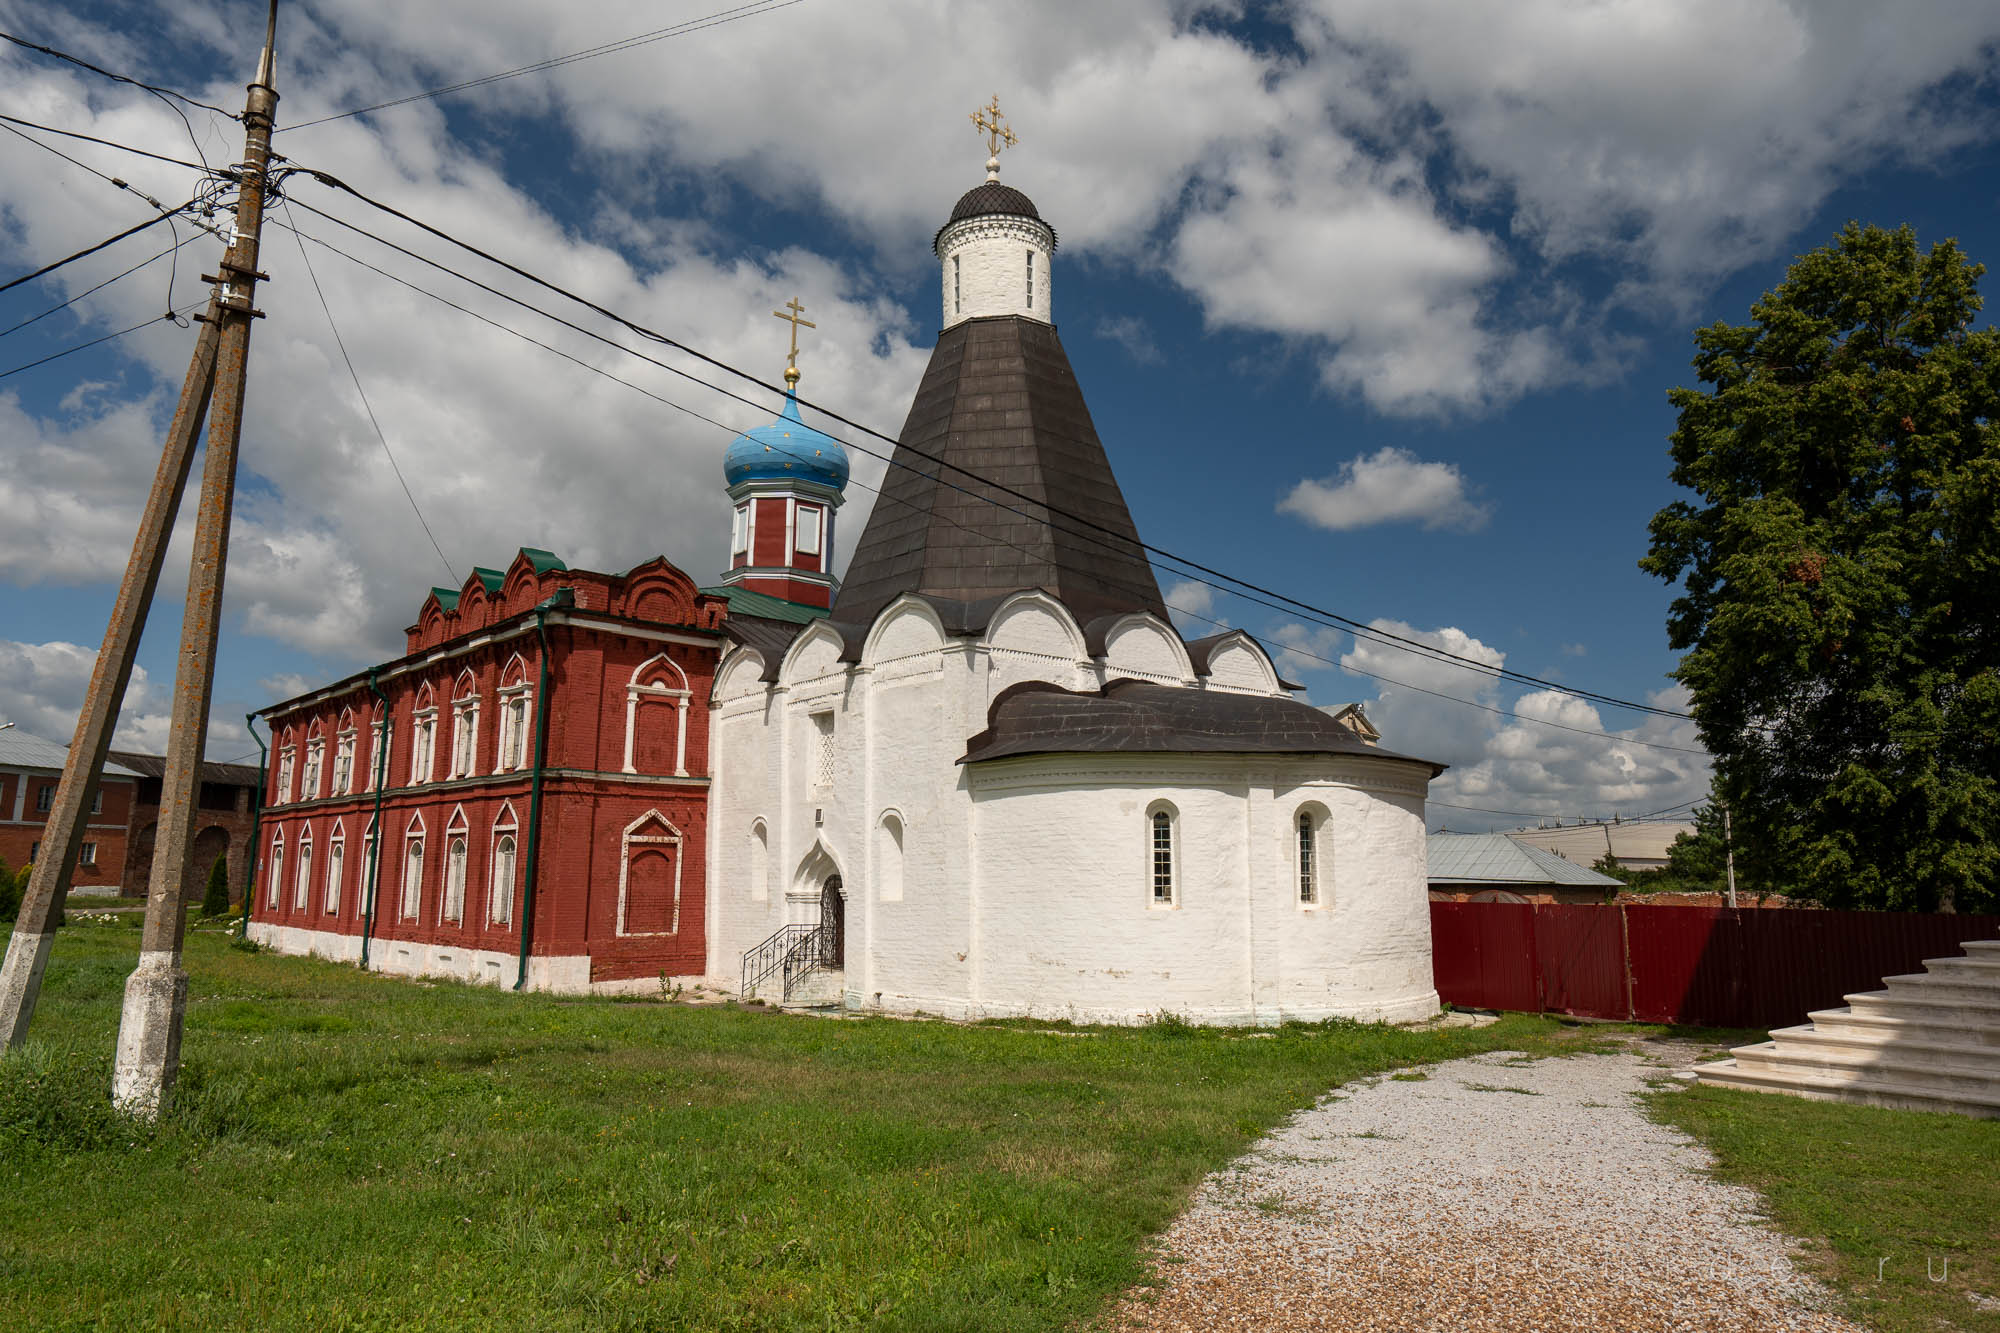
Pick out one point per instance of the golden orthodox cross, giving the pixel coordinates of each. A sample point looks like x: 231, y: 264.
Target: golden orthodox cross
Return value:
x: 988, y: 119
x: 792, y: 365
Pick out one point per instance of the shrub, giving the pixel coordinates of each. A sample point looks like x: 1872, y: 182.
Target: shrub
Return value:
x: 215, y: 899
x: 11, y: 886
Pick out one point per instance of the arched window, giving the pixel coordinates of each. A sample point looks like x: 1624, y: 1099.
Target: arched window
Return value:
x: 315, y: 760
x: 760, y: 861
x: 287, y: 758
x: 378, y: 750
x: 464, y: 725
x: 423, y: 736
x: 336, y: 867
x: 500, y: 890
x: 513, y: 747
x: 1031, y: 279
x: 413, y: 868
x: 371, y: 871
x: 889, y: 857
x: 502, y: 893
x: 656, y: 718
x: 343, y: 754
x: 454, y: 878
x: 302, y: 882
x: 1163, y: 854
x: 277, y: 869
x: 1309, y: 860
x: 452, y: 908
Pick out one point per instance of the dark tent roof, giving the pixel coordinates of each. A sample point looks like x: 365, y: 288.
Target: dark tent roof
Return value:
x: 1139, y: 717
x: 999, y: 400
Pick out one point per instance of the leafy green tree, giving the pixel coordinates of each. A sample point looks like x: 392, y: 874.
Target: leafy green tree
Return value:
x: 10, y: 891
x: 215, y: 898
x: 1840, y: 608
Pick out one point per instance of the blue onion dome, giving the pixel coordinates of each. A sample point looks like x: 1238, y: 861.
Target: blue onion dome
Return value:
x: 786, y: 450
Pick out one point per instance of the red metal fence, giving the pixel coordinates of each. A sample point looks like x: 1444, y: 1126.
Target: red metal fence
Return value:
x: 1747, y: 967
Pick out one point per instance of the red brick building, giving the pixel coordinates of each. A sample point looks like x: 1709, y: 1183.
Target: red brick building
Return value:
x: 543, y: 754
x: 224, y: 819
x: 30, y: 767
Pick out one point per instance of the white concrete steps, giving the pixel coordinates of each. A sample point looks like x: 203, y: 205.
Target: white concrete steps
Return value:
x: 817, y: 990
x: 1927, y: 1041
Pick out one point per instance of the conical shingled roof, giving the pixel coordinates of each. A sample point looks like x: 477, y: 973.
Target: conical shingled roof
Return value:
x: 999, y: 399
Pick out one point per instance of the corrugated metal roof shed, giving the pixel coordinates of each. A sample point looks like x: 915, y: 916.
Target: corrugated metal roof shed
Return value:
x: 1641, y: 845
x: 1496, y: 858
x: 20, y: 750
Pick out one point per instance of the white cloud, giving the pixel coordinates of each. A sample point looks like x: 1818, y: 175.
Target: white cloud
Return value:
x: 1520, y: 763
x: 1387, y: 486
x: 42, y: 686
x: 1303, y: 649
x: 1130, y: 332
x: 1192, y: 605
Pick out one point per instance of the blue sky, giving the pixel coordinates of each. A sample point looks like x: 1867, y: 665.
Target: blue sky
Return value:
x: 1376, y: 304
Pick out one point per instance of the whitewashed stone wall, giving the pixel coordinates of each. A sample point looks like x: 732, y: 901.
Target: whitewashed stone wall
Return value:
x: 987, y: 260
x: 1025, y: 886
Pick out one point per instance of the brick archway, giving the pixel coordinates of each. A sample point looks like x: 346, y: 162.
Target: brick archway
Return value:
x: 210, y: 845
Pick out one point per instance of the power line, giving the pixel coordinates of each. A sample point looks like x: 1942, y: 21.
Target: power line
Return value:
x: 150, y: 259
x: 46, y: 269
x: 171, y: 316
x: 714, y: 20
x: 598, y: 370
x: 152, y: 88
x: 1119, y: 540
x: 108, y: 143
x: 366, y: 406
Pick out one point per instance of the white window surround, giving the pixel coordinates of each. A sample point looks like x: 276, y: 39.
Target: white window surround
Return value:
x: 464, y: 727
x: 309, y: 788
x: 739, y: 531
x: 336, y: 867
x: 506, y: 859
x: 277, y: 870
x: 511, y: 754
x: 806, y: 529
x: 343, y: 759
x: 669, y: 838
x: 302, y: 878
x: 378, y: 755
x: 87, y: 855
x: 457, y: 854
x: 413, y: 868
x: 822, y: 769
x: 371, y: 871
x: 1163, y: 856
x: 287, y: 759
x: 423, y: 746
x: 638, y: 689
x: 1308, y: 859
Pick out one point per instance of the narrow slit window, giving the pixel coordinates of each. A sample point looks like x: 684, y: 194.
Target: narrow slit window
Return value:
x: 1308, y: 888
x: 1031, y: 279
x: 957, y: 300
x: 1163, y: 857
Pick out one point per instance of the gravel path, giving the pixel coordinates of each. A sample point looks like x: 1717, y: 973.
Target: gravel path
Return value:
x: 1495, y: 1193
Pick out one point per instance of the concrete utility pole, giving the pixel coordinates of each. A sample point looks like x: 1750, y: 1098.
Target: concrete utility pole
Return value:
x: 149, y: 1032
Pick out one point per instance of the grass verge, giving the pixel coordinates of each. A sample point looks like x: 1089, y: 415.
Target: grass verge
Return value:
x: 349, y: 1151
x: 1899, y: 1193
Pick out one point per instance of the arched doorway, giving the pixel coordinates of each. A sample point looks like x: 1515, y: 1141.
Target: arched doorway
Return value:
x: 833, y: 920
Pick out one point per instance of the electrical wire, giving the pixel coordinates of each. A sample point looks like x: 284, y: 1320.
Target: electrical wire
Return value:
x: 108, y: 143
x: 367, y: 406
x: 47, y: 269
x: 150, y: 259
x: 1084, y: 527
x: 598, y: 370
x: 714, y: 20
x: 152, y: 88
x: 172, y: 316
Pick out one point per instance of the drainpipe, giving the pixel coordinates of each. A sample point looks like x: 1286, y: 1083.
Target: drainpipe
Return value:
x: 256, y: 821
x: 562, y: 598
x: 381, y: 758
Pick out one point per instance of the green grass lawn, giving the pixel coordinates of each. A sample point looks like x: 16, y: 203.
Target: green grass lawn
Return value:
x: 350, y: 1151
x: 1899, y: 1192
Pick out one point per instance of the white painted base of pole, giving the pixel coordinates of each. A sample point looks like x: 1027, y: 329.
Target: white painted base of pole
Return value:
x: 149, y: 1035
x: 21, y: 981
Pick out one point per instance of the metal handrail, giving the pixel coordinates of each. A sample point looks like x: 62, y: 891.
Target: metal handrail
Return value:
x: 768, y: 959
x: 819, y: 949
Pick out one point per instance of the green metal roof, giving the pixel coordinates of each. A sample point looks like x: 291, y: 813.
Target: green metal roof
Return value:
x: 447, y: 598
x: 743, y: 602
x: 492, y: 578
x: 543, y: 561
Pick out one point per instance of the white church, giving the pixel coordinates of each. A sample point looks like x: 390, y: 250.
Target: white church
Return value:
x: 991, y: 778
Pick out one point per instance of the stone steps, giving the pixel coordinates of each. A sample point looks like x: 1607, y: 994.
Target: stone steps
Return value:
x: 1926, y: 1041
